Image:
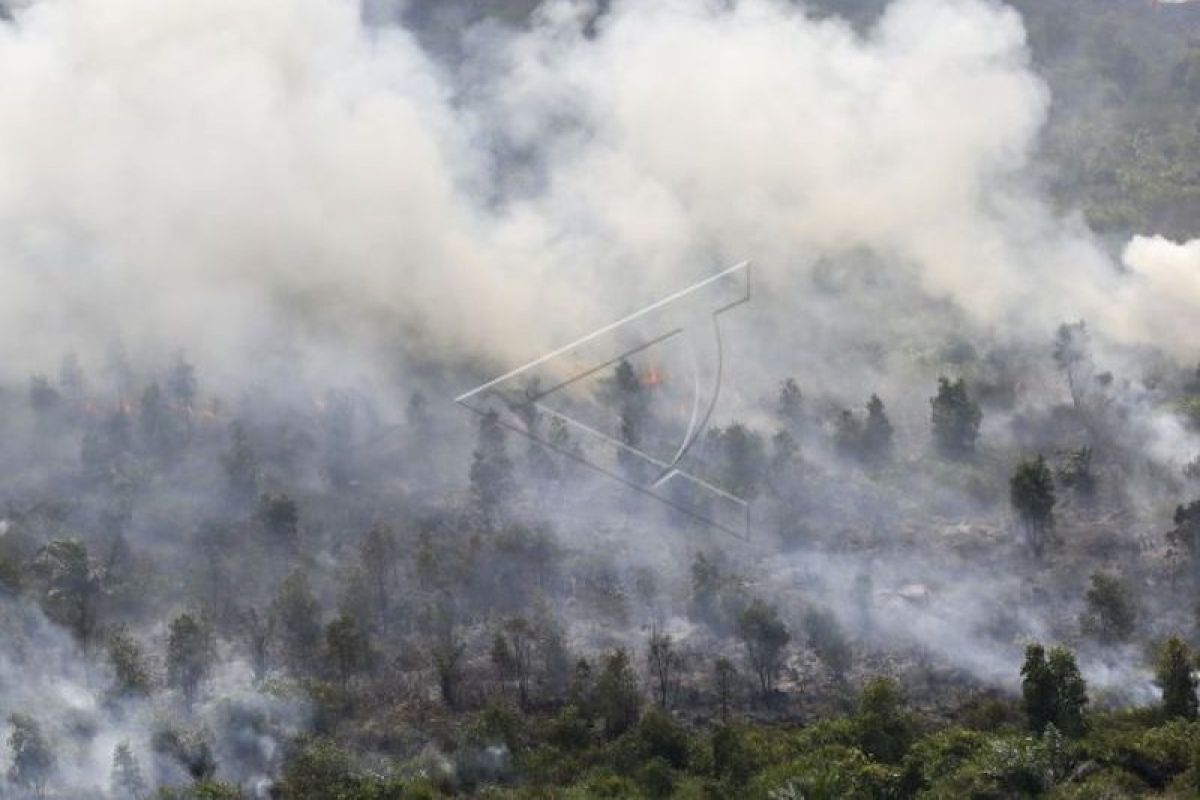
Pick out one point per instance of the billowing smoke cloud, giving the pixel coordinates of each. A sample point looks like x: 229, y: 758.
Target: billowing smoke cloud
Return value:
x: 221, y: 176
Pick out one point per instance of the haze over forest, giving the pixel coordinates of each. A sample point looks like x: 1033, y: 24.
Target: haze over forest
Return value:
x: 940, y: 536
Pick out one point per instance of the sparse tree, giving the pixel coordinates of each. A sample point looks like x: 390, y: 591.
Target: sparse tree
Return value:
x: 1110, y: 614
x: 131, y: 673
x: 1186, y: 534
x: 955, y: 418
x: 33, y: 761
x: 665, y: 664
x: 258, y: 631
x: 848, y: 435
x: 1031, y: 492
x: 240, y: 464
x: 190, y: 655
x: 765, y: 637
x: 633, y: 410
x: 828, y: 641
x: 877, y: 433
x: 348, y: 647
x: 512, y: 654
x: 491, y: 471
x: 1176, y: 678
x: 1071, y: 692
x: 126, y: 781
x: 380, y: 556
x: 72, y: 586
x: 280, y: 518
x: 617, y: 699
x: 447, y: 653
x: 297, y: 620
x: 724, y: 679
x: 791, y: 402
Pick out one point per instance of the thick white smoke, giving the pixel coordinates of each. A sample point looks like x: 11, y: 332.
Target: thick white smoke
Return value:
x: 215, y: 176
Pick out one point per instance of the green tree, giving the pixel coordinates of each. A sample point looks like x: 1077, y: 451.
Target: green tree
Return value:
x: 1031, y: 493
x: 1054, y: 691
x: 617, y: 699
x: 1176, y: 679
x: 665, y: 663
x: 955, y: 418
x: 1111, y: 614
x: 1071, y: 693
x: 348, y: 647
x: 33, y: 761
x: 1037, y: 688
x: 828, y: 641
x: 131, y: 673
x: 512, y: 654
x: 877, y: 433
x: 190, y: 655
x: 380, y: 556
x: 297, y: 617
x: 885, y: 729
x: 72, y: 586
x: 765, y: 637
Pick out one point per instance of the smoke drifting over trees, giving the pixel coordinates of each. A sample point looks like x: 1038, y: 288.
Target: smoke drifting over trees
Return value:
x: 251, y: 249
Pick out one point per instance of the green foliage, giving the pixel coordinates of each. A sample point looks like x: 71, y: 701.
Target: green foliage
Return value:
x: 1054, y: 691
x: 617, y: 699
x: 1110, y: 615
x: 1175, y: 676
x: 1031, y: 492
x: 828, y: 641
x: 955, y: 418
x: 885, y: 728
x: 765, y: 637
x: 131, y: 673
x: 190, y: 655
x: 660, y: 736
x: 297, y: 617
x: 829, y: 773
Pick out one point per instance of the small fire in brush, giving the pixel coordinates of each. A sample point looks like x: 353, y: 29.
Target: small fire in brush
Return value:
x: 653, y: 377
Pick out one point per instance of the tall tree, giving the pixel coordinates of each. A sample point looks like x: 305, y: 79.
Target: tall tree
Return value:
x: 190, y: 655
x: 512, y: 654
x: 33, y: 761
x: 791, y: 402
x: 1176, y: 678
x: 955, y: 418
x: 126, y: 781
x: 380, y: 555
x: 131, y: 673
x: 618, y: 701
x: 1037, y: 689
x: 1111, y: 614
x: 297, y: 620
x: 1054, y: 691
x: 765, y: 637
x: 1031, y: 493
x: 348, y: 647
x: 633, y: 410
x: 1186, y: 534
x: 240, y: 465
x: 877, y: 433
x: 72, y: 586
x: 665, y: 664
x: 491, y: 471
